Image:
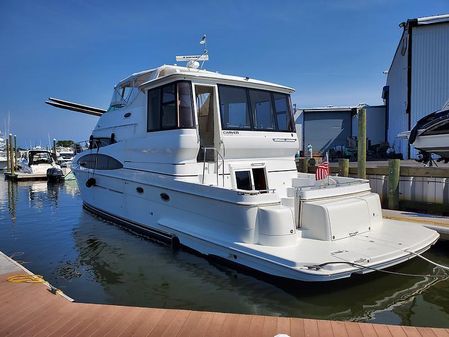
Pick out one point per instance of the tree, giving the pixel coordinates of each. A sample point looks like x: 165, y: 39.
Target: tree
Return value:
x: 65, y: 143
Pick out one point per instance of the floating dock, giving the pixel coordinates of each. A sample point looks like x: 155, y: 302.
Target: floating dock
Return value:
x: 32, y: 309
x: 24, y: 176
x: 435, y: 222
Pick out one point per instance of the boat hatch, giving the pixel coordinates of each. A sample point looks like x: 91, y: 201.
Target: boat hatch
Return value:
x: 250, y: 179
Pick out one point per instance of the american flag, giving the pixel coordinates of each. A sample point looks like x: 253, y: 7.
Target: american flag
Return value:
x: 322, y: 170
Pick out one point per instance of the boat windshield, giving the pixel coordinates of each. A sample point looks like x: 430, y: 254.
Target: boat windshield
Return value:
x: 40, y: 158
x: 121, y: 96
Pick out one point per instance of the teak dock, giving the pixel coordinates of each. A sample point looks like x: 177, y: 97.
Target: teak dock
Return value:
x: 30, y: 309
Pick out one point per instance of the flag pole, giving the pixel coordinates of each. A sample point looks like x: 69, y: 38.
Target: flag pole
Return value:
x: 328, y: 167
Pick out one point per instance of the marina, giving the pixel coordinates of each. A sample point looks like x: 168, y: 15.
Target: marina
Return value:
x: 270, y: 169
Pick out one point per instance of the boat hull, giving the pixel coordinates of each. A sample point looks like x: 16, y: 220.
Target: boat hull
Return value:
x: 222, y: 229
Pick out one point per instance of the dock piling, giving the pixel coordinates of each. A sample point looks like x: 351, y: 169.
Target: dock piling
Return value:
x: 11, y: 155
x: 8, y: 160
x: 361, y: 149
x: 303, y: 165
x: 394, y: 168
x: 15, y: 151
x: 343, y: 167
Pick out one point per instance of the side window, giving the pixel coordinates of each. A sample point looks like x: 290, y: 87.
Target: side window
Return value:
x: 186, y: 116
x: 170, y: 107
x: 283, y: 114
x: 234, y: 108
x: 154, y: 103
x: 262, y: 110
x: 99, y: 162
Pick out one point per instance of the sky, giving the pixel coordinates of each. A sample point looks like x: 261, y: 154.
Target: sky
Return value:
x: 333, y: 52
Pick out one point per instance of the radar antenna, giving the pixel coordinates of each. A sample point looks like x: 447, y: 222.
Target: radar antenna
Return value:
x: 193, y: 61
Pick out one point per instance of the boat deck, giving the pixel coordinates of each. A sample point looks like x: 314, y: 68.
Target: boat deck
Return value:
x: 30, y: 309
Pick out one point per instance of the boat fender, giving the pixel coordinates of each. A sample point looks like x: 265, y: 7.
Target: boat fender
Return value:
x: 113, y: 138
x: 90, y: 182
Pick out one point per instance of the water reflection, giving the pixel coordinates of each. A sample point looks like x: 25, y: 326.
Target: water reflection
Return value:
x: 94, y: 261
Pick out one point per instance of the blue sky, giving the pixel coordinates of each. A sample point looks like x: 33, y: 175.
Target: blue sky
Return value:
x: 331, y: 52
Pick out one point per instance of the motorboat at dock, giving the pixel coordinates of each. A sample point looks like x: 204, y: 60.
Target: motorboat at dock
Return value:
x: 206, y: 161
x: 39, y: 164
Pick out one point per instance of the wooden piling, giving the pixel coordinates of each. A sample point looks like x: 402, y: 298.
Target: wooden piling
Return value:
x: 15, y: 151
x: 361, y: 149
x: 11, y: 155
x: 343, y: 167
x: 8, y: 160
x: 303, y: 165
x: 54, y: 148
x: 394, y: 168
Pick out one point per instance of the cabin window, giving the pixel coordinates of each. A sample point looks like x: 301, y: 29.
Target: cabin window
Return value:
x: 99, y: 161
x: 170, y: 107
x: 262, y: 110
x: 234, y: 108
x: 251, y: 109
x: 283, y: 115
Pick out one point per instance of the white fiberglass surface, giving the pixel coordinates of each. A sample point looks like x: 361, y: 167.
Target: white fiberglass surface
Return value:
x: 388, y: 242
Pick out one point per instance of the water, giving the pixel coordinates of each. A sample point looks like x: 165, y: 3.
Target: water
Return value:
x: 45, y: 227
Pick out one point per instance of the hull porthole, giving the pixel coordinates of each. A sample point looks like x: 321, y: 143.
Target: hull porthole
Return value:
x: 165, y: 197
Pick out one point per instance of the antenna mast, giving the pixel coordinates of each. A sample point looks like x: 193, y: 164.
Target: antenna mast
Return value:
x: 193, y: 61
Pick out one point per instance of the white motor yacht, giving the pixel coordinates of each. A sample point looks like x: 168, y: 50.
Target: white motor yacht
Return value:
x: 40, y: 162
x: 3, y: 156
x: 431, y: 135
x: 206, y: 161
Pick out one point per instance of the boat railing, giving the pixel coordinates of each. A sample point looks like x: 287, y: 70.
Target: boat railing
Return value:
x: 333, y: 184
x: 205, y: 149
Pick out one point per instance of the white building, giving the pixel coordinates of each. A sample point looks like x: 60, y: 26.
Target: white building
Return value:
x: 331, y: 127
x: 418, y: 78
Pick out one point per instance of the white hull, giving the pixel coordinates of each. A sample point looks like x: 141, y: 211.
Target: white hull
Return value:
x: 210, y: 226
x: 438, y: 144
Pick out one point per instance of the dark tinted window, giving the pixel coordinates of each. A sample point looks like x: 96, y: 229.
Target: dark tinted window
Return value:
x: 186, y: 117
x: 251, y: 109
x: 243, y: 179
x: 99, y: 162
x: 234, y: 108
x: 283, y: 114
x: 170, y: 107
x: 262, y: 110
x: 154, y: 103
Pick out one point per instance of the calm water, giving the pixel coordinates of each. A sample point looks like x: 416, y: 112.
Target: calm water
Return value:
x: 44, y: 227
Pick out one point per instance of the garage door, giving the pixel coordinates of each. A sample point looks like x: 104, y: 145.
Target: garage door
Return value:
x: 325, y: 130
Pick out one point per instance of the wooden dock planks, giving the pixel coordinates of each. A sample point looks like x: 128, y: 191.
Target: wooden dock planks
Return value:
x: 31, y: 310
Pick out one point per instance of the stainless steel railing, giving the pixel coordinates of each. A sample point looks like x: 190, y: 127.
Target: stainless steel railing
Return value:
x: 205, y: 149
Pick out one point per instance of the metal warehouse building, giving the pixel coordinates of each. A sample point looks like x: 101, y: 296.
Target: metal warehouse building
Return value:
x: 418, y: 78
x: 327, y: 128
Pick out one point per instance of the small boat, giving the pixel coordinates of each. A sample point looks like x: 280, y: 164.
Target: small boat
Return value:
x: 40, y: 163
x: 3, y: 156
x: 206, y: 161
x: 431, y: 135
x: 64, y: 156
